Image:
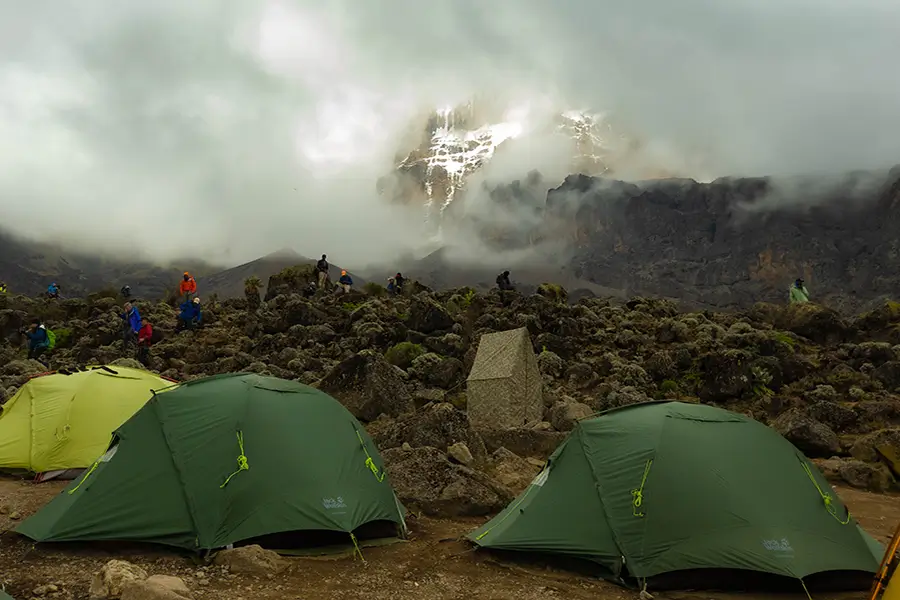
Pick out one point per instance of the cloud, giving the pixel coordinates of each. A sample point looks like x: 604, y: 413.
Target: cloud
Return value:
x: 227, y: 130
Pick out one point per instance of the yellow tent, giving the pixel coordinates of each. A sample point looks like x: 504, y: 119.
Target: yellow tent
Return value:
x: 887, y: 580
x: 64, y: 421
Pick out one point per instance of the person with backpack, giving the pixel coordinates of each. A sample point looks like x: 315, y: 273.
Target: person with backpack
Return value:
x: 322, y: 271
x: 144, y: 341
x: 399, y: 282
x: 53, y: 291
x: 131, y: 325
x: 190, y: 316
x: 503, y: 281
x: 187, y: 287
x: 40, y: 340
x: 126, y: 292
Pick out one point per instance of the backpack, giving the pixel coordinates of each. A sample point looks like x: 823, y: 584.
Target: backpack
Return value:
x: 51, y: 340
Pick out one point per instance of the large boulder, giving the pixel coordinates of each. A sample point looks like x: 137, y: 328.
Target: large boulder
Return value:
x: 856, y: 473
x: 513, y: 471
x: 814, y: 322
x: 425, y: 480
x: 427, y: 316
x: 368, y: 386
x: 813, y: 438
x: 438, y: 425
x: 437, y: 371
x: 727, y: 375
x: 564, y: 415
x: 870, y: 447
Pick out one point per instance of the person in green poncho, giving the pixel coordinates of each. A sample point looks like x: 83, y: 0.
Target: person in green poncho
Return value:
x: 799, y: 293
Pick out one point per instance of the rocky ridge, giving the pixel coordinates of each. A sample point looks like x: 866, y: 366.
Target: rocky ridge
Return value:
x: 829, y: 384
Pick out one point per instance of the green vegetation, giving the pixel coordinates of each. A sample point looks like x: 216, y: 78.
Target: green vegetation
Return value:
x: 759, y: 383
x: 252, y: 285
x: 784, y: 338
x: 373, y: 289
x: 668, y: 387
x: 554, y: 292
x: 403, y: 354
x: 63, y: 337
x: 351, y: 306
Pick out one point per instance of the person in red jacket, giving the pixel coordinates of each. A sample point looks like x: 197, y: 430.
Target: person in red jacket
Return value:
x: 145, y: 337
x: 187, y: 288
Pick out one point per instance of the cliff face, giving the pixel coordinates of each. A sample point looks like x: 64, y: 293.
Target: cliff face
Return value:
x: 729, y: 243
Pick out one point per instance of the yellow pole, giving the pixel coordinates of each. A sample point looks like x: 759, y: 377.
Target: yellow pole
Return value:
x: 893, y: 587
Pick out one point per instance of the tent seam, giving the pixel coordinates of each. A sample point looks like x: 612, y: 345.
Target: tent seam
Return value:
x: 178, y: 471
x: 598, y: 491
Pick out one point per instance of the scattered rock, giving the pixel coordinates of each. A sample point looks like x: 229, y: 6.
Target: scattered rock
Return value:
x: 111, y: 580
x: 460, y: 453
x: 425, y: 480
x: 157, y: 587
x: 250, y: 560
x: 565, y: 415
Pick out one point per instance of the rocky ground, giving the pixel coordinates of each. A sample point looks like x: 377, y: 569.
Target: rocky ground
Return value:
x: 829, y: 384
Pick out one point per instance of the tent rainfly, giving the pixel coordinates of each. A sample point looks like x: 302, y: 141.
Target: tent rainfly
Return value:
x: 655, y: 492
x: 226, y: 459
x: 64, y: 421
x: 504, y: 388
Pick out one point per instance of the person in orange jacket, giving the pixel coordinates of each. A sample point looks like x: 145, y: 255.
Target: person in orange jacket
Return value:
x: 188, y: 287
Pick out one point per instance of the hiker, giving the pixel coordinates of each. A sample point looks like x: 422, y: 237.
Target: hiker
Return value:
x: 190, y: 316
x: 187, y: 288
x: 126, y: 292
x: 399, y: 282
x: 38, y: 340
x: 322, y: 270
x: 503, y: 281
x: 145, y: 337
x: 799, y: 293
x: 2, y: 288
x: 131, y: 325
x: 346, y: 281
x: 310, y: 290
x: 53, y: 291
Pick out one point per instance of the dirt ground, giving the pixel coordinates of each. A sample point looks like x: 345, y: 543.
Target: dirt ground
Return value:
x: 433, y: 564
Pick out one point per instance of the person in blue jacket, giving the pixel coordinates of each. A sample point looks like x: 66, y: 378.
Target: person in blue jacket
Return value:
x: 53, y: 290
x: 131, y: 325
x: 38, y: 341
x: 346, y: 281
x: 190, y: 316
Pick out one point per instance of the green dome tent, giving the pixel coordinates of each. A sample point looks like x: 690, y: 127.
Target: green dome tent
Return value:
x: 656, y: 492
x: 5, y: 596
x: 227, y: 459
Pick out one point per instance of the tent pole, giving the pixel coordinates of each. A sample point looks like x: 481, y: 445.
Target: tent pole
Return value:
x: 881, y: 574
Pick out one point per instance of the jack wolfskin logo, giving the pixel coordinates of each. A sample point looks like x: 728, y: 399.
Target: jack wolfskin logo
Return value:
x: 333, y: 503
x: 782, y: 545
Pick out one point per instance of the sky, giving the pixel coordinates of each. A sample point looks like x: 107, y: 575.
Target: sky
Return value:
x: 227, y: 130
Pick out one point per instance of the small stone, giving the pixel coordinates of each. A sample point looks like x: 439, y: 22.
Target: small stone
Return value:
x: 15, y: 515
x: 43, y: 590
x: 460, y: 453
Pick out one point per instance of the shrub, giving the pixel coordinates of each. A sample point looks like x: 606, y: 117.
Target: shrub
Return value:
x: 668, y: 387
x: 403, y: 354
x: 373, y: 289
